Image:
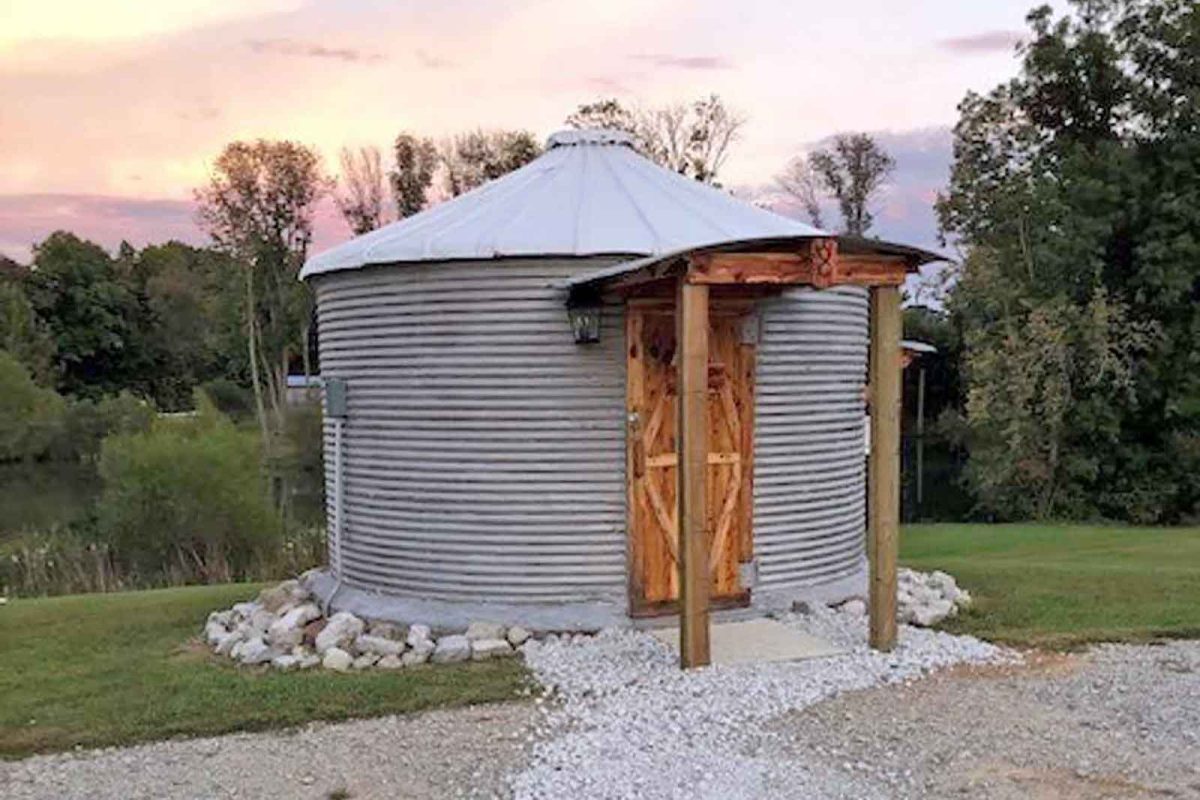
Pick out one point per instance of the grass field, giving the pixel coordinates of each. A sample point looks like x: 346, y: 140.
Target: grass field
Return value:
x: 1066, y: 585
x: 114, y: 669
x: 96, y: 670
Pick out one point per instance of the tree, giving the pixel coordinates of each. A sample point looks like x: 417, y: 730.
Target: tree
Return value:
x: 474, y: 158
x: 691, y: 139
x: 361, y: 199
x: 800, y: 180
x: 89, y: 314
x: 188, y: 319
x: 31, y: 416
x: 22, y: 333
x: 1073, y: 191
x: 258, y: 208
x: 416, y: 158
x: 852, y: 172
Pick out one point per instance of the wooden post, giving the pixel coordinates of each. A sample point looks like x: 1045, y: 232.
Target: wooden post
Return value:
x: 883, y: 468
x: 920, y: 437
x: 691, y: 445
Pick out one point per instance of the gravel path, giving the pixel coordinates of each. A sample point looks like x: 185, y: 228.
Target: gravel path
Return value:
x: 630, y: 724
x: 462, y: 752
x: 622, y: 721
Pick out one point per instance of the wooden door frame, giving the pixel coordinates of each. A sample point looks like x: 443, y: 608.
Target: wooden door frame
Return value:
x: 725, y: 300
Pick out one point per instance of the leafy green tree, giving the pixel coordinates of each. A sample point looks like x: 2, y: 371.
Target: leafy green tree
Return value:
x: 258, y: 208
x: 472, y: 159
x: 31, y: 416
x: 1074, y: 190
x: 89, y: 313
x: 22, y: 333
x: 187, y: 318
x: 693, y: 139
x: 361, y: 197
x: 411, y: 177
x: 852, y: 172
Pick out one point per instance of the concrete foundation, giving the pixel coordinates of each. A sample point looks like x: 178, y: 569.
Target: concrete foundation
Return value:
x: 444, y: 616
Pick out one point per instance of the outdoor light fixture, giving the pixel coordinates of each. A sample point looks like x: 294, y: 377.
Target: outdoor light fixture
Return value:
x: 584, y: 314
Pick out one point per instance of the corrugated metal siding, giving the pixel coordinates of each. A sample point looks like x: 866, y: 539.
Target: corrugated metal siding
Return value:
x: 484, y: 450
x: 809, y: 466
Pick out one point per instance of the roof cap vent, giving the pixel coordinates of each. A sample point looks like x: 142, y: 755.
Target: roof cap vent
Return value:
x: 593, y: 136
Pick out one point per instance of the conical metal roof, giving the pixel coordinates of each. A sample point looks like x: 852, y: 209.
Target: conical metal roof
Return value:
x: 590, y: 193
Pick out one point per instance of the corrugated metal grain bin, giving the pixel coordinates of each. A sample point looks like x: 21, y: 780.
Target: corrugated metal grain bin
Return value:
x: 494, y: 462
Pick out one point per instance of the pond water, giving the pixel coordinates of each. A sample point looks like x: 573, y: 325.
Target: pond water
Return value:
x: 43, y: 495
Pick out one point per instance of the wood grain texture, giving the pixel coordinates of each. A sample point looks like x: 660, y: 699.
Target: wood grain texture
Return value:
x: 652, y: 399
x: 883, y: 467
x: 692, y: 446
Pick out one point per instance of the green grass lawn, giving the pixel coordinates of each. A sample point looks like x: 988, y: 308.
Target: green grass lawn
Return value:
x: 1066, y: 585
x: 95, y: 670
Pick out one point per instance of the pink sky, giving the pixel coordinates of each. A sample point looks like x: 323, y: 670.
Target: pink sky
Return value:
x: 112, y: 112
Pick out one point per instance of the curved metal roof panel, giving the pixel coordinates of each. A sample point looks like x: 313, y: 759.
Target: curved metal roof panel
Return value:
x: 589, y: 194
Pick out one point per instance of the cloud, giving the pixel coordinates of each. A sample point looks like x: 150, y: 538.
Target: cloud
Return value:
x: 998, y: 41
x: 26, y: 219
x: 606, y: 85
x: 434, y: 61
x: 683, y: 62
x: 292, y: 47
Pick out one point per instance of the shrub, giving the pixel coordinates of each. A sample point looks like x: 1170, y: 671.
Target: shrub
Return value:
x: 31, y: 416
x: 86, y: 423
x: 184, y: 501
x: 231, y: 399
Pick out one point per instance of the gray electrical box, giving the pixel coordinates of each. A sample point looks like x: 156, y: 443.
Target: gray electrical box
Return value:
x: 335, y: 397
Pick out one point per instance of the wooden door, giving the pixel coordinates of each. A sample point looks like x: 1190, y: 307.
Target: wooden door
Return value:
x: 652, y: 474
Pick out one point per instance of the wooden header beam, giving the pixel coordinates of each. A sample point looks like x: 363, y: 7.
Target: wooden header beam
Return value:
x: 817, y: 264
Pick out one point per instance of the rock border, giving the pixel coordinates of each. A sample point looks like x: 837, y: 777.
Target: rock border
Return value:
x: 285, y: 628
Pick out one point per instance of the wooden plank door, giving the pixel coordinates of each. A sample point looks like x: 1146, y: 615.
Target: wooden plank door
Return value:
x: 652, y: 474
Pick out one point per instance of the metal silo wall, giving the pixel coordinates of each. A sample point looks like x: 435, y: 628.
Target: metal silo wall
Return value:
x: 809, y: 467
x: 484, y: 449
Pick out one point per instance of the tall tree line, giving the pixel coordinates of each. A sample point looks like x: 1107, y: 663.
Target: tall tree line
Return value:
x: 1075, y: 195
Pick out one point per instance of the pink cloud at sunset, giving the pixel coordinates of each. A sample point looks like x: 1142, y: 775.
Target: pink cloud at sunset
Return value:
x: 113, y: 112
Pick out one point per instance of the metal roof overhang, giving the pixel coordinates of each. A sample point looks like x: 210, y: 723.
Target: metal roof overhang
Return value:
x: 667, y: 264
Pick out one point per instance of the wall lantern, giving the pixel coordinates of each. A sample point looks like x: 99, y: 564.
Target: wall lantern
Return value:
x: 584, y: 315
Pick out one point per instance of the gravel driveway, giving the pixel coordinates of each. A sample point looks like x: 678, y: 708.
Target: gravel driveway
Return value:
x: 1116, y: 722
x: 462, y: 752
x: 1119, y: 721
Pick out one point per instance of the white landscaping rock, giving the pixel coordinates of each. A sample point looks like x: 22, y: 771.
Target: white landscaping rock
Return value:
x: 285, y: 662
x: 365, y: 661
x: 483, y: 649
x: 337, y: 659
x: 378, y: 645
x: 925, y: 599
x: 485, y: 630
x: 853, y: 608
x: 418, y: 654
x: 387, y: 630
x: 288, y: 631
x: 255, y: 651
x: 517, y: 636
x: 225, y: 646
x: 340, y: 632
x: 275, y: 599
x: 451, y: 649
x: 390, y: 662
x: 418, y: 633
